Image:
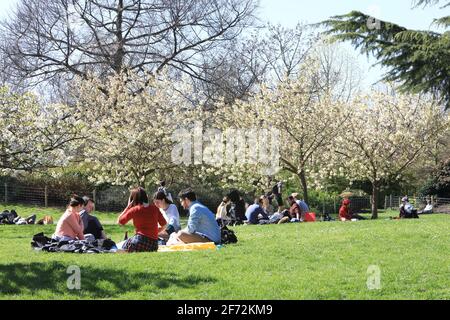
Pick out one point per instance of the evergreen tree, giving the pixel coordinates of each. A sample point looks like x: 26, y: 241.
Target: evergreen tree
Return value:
x: 418, y: 60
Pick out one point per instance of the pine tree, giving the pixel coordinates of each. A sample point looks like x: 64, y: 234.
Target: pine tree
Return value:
x: 418, y: 60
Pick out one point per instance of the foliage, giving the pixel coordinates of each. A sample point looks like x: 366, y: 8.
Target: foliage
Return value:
x: 130, y: 134
x: 416, y: 59
x: 33, y: 136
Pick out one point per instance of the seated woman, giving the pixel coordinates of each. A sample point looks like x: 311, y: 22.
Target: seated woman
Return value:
x: 169, y: 212
x: 145, y: 218
x: 255, y: 212
x: 222, y: 216
x: 70, y: 226
x: 265, y: 204
x: 345, y: 213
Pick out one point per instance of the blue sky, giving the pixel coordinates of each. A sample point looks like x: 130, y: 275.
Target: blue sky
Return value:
x: 289, y: 12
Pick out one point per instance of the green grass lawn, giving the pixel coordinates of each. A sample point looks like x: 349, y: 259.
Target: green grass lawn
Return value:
x: 324, y: 260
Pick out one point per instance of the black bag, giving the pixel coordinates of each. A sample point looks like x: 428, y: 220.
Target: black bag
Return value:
x: 227, y: 235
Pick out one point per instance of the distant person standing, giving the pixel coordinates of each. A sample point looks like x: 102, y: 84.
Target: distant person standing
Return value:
x: 277, y: 191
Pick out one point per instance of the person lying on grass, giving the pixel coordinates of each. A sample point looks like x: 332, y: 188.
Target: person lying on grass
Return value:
x: 146, y: 218
x: 345, y: 213
x: 201, y: 226
x: 169, y: 212
x: 70, y: 226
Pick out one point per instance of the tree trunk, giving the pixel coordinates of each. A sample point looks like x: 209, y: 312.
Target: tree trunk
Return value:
x: 375, y: 191
x: 120, y: 53
x: 304, y: 185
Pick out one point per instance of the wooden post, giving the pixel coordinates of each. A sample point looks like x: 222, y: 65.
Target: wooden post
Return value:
x: 390, y: 201
x: 6, y: 192
x: 334, y: 204
x: 46, y: 197
x: 94, y: 195
x: 385, y: 202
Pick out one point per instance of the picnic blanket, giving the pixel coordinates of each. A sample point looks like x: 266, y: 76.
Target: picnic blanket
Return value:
x: 42, y: 243
x: 188, y: 247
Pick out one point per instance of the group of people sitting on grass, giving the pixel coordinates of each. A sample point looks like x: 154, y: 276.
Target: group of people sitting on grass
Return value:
x: 153, y: 221
x: 158, y: 221
x: 233, y: 210
x: 11, y: 217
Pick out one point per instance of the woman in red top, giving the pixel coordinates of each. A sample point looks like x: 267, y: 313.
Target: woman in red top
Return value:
x: 345, y: 213
x: 146, y: 218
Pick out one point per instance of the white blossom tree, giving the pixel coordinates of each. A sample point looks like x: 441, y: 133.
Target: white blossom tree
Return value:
x: 33, y: 136
x: 130, y: 133
x: 307, y: 125
x: 384, y: 136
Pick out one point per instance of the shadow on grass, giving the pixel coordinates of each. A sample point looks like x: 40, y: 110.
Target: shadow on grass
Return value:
x: 21, y: 278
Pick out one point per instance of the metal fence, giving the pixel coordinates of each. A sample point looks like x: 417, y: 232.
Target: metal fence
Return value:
x: 114, y: 199
x: 110, y: 200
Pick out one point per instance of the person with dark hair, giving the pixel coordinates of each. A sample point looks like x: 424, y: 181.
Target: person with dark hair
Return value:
x: 91, y: 224
x: 255, y: 212
x: 293, y: 214
x: 162, y: 188
x: 146, y: 218
x: 277, y: 192
x: 170, y: 213
x: 201, y: 226
x: 237, y: 207
x: 70, y: 226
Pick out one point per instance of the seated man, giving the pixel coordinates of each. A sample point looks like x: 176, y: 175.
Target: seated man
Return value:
x: 91, y: 224
x: 201, y: 226
x: 254, y: 212
x: 407, y: 210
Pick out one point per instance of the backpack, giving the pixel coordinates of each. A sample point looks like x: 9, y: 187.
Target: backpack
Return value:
x: 227, y: 236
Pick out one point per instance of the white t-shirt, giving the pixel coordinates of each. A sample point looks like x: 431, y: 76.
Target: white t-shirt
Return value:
x: 172, y: 216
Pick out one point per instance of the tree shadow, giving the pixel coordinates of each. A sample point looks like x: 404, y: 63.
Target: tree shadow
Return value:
x: 52, y: 277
